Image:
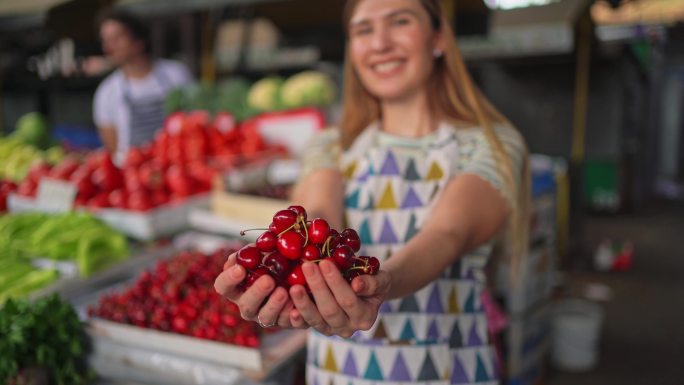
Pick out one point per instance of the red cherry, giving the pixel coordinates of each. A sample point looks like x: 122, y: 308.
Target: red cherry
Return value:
x: 342, y: 257
x: 266, y: 242
x: 301, y: 212
x: 290, y: 244
x: 272, y: 228
x: 283, y: 220
x: 252, y: 276
x: 373, y: 266
x: 318, y: 229
x: 334, y: 239
x: 311, y: 253
x: 277, y: 265
x: 296, y: 276
x: 180, y: 324
x: 249, y: 257
x: 367, y: 265
x: 353, y: 273
x: 350, y: 238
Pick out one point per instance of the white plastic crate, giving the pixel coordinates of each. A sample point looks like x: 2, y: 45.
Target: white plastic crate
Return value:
x: 275, y: 347
x: 536, y: 280
x: 158, y: 222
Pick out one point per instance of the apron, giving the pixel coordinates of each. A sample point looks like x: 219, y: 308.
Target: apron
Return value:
x: 146, y: 113
x: 437, y: 335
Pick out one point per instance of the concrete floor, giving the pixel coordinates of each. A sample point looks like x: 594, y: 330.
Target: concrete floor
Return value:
x: 643, y: 334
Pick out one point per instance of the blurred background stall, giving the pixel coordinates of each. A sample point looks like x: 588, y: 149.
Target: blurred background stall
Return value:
x: 596, y: 87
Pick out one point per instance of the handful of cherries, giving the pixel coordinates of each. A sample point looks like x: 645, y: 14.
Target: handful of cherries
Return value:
x: 291, y: 240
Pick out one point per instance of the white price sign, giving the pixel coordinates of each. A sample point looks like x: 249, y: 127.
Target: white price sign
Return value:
x: 55, y: 195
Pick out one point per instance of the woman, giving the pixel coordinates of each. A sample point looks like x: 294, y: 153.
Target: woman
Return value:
x: 430, y: 174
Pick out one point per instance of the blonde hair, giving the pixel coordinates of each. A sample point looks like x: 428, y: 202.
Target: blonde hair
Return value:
x: 455, y: 98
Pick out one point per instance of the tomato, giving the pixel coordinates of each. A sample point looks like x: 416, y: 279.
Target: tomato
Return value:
x: 178, y: 181
x: 65, y: 168
x: 38, y: 170
x: 107, y: 179
x: 83, y: 182
x: 152, y: 175
x: 118, y: 199
x: 132, y: 180
x: 134, y: 158
x: 139, y: 200
x: 159, y: 197
x: 99, y: 200
x: 27, y: 188
x: 174, y: 123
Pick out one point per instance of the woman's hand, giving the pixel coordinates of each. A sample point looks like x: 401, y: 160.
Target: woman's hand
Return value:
x: 339, y: 309
x: 277, y: 307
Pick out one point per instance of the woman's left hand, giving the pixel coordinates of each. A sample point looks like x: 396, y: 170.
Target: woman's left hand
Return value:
x: 339, y: 308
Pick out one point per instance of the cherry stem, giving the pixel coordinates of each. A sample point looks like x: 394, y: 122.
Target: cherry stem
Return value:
x: 306, y: 231
x: 289, y: 228
x: 242, y: 232
x: 326, y: 246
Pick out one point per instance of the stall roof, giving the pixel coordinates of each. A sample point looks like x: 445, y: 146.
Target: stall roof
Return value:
x: 167, y: 6
x: 525, y: 32
x: 24, y: 7
x: 638, y: 12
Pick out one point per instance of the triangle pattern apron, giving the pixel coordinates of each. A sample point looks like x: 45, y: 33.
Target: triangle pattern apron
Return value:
x: 438, y: 335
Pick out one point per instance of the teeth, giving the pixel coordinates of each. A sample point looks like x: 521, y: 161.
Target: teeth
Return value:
x: 388, y: 66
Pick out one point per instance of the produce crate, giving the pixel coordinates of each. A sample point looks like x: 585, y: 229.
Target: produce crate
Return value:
x: 246, y: 208
x: 161, y: 221
x: 527, y: 343
x: 255, y: 363
x: 536, y: 274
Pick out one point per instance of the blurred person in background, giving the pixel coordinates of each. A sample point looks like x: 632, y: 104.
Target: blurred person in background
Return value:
x: 435, y: 179
x: 129, y: 103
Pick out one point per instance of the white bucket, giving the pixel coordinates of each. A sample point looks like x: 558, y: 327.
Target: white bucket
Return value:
x: 576, y: 329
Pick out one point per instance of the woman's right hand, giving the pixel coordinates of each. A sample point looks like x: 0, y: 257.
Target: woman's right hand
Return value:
x: 276, y: 309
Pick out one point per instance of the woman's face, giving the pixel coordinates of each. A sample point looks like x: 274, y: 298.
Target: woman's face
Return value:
x: 118, y: 43
x: 391, y: 45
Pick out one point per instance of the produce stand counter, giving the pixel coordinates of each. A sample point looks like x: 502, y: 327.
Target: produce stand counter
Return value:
x: 127, y: 354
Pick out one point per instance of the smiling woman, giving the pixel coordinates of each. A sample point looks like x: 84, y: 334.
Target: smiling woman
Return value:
x: 434, y: 179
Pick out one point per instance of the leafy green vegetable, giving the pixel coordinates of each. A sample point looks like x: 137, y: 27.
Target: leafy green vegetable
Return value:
x: 70, y: 236
x: 45, y: 334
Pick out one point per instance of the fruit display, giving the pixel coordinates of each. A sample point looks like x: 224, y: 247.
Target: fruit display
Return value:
x: 32, y: 128
x: 308, y: 88
x: 177, y: 295
x: 42, y: 339
x: 16, y: 157
x: 182, y: 161
x: 6, y: 188
x: 264, y: 95
x: 291, y: 240
x: 76, y: 237
x: 244, y: 100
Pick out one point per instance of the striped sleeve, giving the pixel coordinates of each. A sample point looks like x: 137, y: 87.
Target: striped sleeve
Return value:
x: 322, y: 151
x: 476, y: 157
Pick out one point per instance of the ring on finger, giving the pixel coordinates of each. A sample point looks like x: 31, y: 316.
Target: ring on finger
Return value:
x: 264, y: 325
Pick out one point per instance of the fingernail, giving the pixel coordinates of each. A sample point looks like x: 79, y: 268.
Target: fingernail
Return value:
x: 360, y: 286
x: 237, y: 272
x: 297, y: 294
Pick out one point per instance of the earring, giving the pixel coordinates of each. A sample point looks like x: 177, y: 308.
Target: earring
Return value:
x: 437, y: 53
